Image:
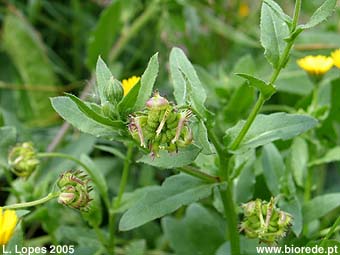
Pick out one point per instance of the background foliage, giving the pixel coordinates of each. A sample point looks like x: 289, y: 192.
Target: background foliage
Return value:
x: 51, y: 47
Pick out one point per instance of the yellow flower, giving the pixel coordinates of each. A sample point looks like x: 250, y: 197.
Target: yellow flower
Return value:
x: 128, y: 84
x: 8, y: 221
x: 316, y: 65
x: 336, y: 57
x: 243, y: 10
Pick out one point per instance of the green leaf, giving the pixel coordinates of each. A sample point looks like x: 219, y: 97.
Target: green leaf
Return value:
x: 167, y: 160
x: 298, y: 160
x: 127, y: 104
x: 176, y: 191
x: 293, y: 207
x: 93, y: 114
x: 95, y: 174
x: 147, y: 82
x: 227, y: 31
x: 269, y: 128
x: 103, y: 76
x: 136, y: 247
x: 70, y: 112
x: 129, y: 199
x: 277, y: 9
x: 265, y: 89
x: 201, y: 231
x: 328, y: 246
x: 187, y: 86
x: 245, y: 185
x: 7, y: 140
x: 201, y: 137
x: 321, y: 14
x: 94, y: 216
x: 273, y: 168
x: 29, y: 55
x: 104, y: 34
x: 111, y: 150
x: 320, y: 206
x: 331, y: 156
x: 273, y: 33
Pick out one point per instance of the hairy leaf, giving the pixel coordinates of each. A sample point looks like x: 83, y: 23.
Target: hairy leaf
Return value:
x: 269, y: 128
x: 273, y: 33
x: 176, y: 191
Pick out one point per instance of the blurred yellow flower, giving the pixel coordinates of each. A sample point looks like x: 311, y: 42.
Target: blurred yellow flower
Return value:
x: 316, y: 65
x: 8, y: 221
x: 243, y: 10
x: 336, y: 57
x: 128, y: 84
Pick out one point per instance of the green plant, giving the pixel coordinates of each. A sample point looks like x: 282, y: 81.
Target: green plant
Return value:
x: 215, y: 157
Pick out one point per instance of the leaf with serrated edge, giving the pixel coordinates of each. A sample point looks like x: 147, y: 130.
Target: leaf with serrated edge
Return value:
x: 147, y: 81
x: 321, y: 14
x: 273, y: 33
x: 266, y: 90
x: 69, y: 111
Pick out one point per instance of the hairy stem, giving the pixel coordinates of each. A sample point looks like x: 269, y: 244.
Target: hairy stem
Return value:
x: 123, y: 182
x: 199, y: 174
x: 43, y: 200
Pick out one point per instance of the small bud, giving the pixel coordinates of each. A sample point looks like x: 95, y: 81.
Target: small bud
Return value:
x: 157, y: 102
x: 23, y: 159
x: 74, y: 190
x: 114, y: 91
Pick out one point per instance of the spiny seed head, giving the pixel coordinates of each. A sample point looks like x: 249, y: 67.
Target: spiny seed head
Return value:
x: 74, y: 190
x: 23, y: 159
x: 264, y: 221
x: 157, y: 102
x: 161, y: 126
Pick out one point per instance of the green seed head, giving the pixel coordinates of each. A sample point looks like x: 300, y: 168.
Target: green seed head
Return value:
x: 75, y: 191
x: 23, y: 159
x: 264, y: 221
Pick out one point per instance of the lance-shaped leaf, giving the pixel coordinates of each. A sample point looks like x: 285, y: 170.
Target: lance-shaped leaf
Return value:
x: 278, y: 10
x: 103, y: 75
x: 266, y: 90
x: 273, y: 33
x: 147, y: 82
x: 269, y: 128
x: 187, y: 86
x: 321, y: 14
x: 70, y: 112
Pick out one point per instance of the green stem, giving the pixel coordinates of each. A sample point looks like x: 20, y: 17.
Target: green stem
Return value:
x: 249, y: 121
x: 133, y: 30
x: 277, y: 107
x: 203, y: 176
x: 125, y: 175
x: 33, y: 203
x: 283, y: 60
x: 103, y: 193
x: 227, y: 196
x: 230, y: 213
x: 331, y: 231
x: 296, y: 14
x: 123, y: 182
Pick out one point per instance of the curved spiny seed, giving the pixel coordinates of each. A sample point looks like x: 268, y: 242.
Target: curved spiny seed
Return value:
x: 163, y: 120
